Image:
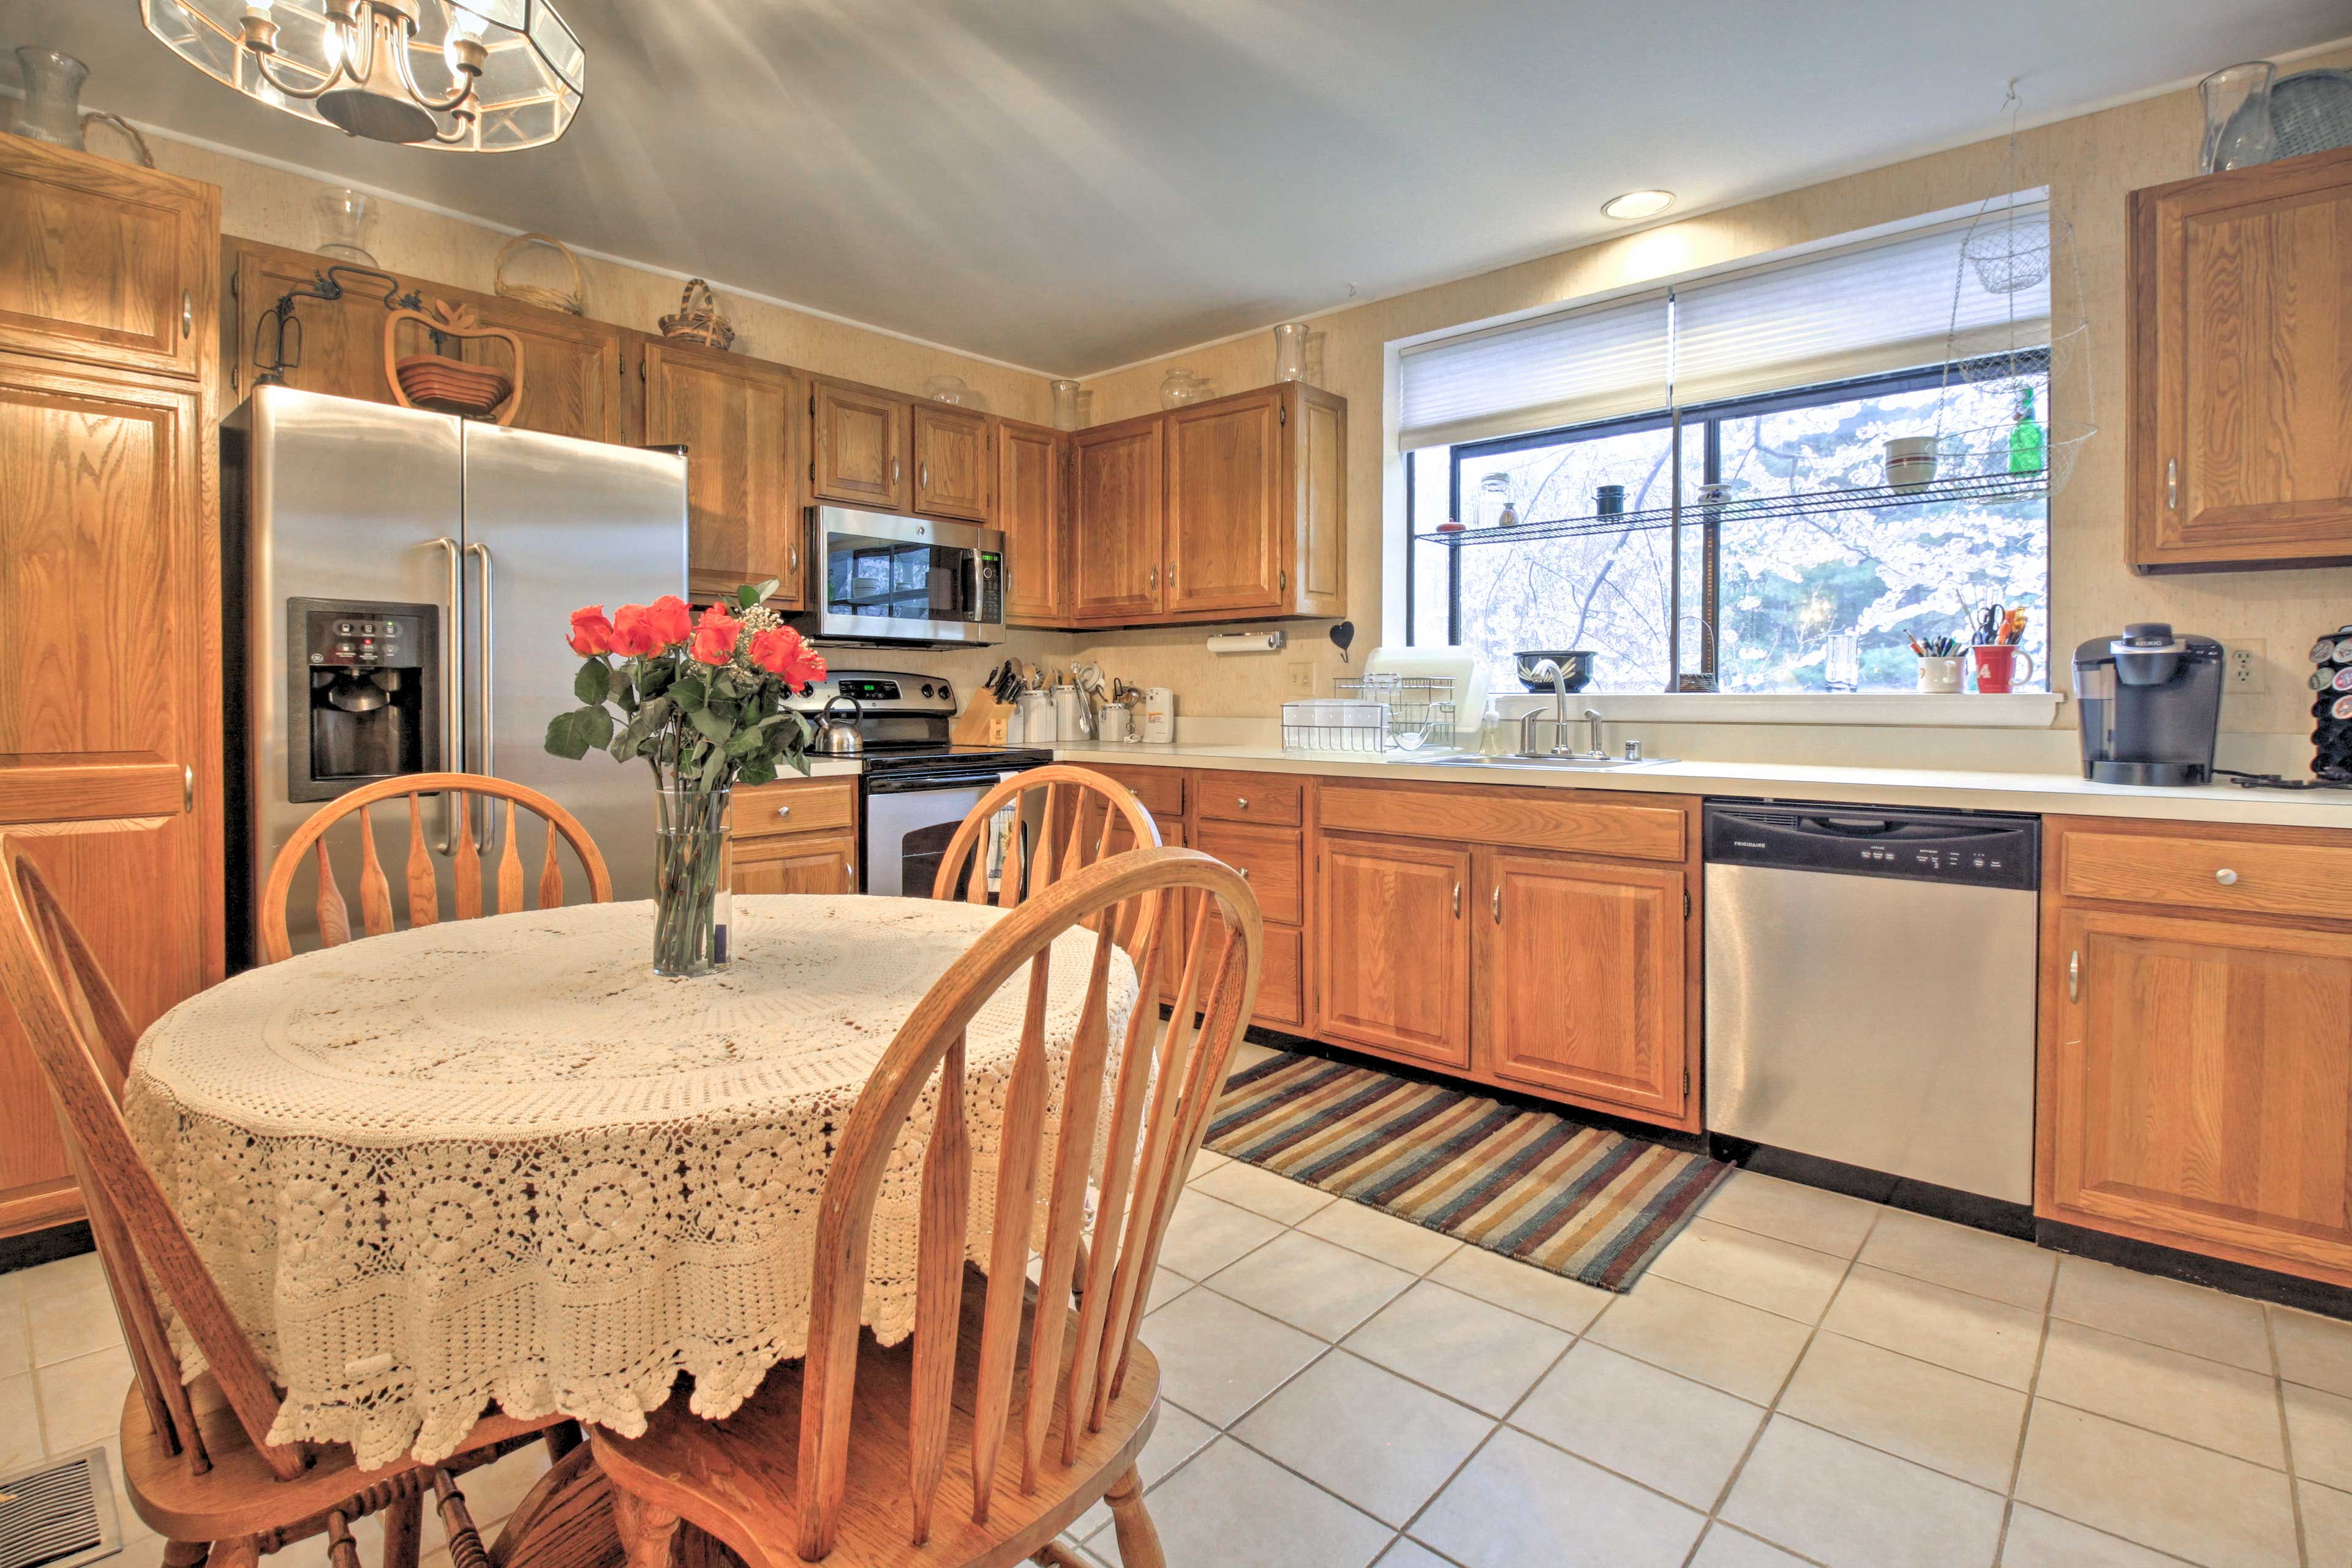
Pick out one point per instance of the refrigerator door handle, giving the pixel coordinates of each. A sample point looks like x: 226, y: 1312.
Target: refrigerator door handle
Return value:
x: 452, y: 691
x: 485, y: 581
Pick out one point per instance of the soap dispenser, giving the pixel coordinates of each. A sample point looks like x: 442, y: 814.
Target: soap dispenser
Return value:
x: 1490, y: 731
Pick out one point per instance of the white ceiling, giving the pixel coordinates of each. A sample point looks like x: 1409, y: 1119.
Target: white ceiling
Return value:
x: 1073, y: 185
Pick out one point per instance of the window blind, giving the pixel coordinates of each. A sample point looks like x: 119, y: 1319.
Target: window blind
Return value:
x: 1887, y: 305
x: 1570, y: 368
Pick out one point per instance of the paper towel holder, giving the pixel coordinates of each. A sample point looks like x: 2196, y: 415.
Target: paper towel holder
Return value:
x: 1249, y: 642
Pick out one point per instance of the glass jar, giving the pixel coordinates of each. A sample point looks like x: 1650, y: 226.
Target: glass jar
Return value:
x: 2238, y: 129
x: 693, y: 868
x: 51, y: 111
x: 342, y: 226
x: 946, y: 389
x: 1290, y: 352
x: 1065, y: 406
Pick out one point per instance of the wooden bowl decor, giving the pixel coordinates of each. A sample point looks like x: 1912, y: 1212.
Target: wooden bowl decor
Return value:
x: 697, y: 320
x: 447, y: 385
x: 573, y: 301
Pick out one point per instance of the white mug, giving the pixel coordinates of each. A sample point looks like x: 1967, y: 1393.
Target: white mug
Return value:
x: 1940, y: 676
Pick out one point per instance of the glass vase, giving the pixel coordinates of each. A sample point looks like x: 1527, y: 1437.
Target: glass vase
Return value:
x: 693, y: 866
x: 1065, y: 406
x: 1290, y: 352
x: 2238, y: 129
x: 51, y: 111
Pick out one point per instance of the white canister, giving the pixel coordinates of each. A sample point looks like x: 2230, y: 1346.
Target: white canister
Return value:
x: 1037, y: 713
x: 1114, y: 722
x: 1159, y: 716
x: 1069, y: 714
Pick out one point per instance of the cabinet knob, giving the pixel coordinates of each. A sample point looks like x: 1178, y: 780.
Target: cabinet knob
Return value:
x: 1245, y: 871
x: 783, y: 811
x: 2226, y: 877
x: 1241, y: 802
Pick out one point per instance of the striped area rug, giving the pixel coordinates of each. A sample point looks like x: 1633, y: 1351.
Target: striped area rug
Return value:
x: 1592, y: 1205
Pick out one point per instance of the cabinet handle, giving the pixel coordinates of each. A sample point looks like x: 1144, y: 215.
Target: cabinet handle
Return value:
x: 1497, y: 901
x: 2074, y: 977
x: 1151, y: 580
x: 923, y: 475
x: 1457, y: 901
x: 783, y: 811
x: 187, y: 788
x: 187, y: 313
x: 793, y: 555
x: 2226, y: 877
x: 894, y: 470
x: 1171, y: 578
x: 2172, y: 484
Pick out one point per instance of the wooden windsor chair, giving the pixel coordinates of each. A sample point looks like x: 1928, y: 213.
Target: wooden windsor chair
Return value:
x: 423, y: 883
x: 1036, y: 827
x: 197, y: 1459
x: 949, y: 1450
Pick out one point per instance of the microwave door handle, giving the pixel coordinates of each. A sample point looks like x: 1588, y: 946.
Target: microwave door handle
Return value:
x: 452, y: 689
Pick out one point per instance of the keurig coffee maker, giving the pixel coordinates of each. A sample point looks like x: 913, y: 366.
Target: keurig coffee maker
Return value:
x: 2152, y: 704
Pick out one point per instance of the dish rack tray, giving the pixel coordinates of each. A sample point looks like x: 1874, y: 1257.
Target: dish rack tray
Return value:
x: 1420, y: 706
x: 1332, y: 724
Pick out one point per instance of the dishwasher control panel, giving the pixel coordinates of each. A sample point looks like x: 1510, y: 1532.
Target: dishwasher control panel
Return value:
x: 1971, y: 848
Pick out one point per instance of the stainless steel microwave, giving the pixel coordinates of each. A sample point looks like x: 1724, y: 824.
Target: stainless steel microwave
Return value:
x: 885, y: 579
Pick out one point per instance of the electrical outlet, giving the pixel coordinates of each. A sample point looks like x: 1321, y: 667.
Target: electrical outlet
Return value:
x: 1302, y: 676
x: 2242, y: 669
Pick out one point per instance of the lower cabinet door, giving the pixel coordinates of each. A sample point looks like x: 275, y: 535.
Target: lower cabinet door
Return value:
x: 1392, y: 946
x: 2195, y: 1087
x: 1582, y: 978
x: 796, y: 863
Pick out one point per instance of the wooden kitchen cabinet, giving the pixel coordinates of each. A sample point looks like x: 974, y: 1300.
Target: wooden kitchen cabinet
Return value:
x: 1032, y: 466
x: 951, y: 469
x: 106, y: 264
x: 1116, y: 512
x: 796, y: 835
x: 800, y: 863
x: 1392, y: 947
x: 2239, y: 406
x: 736, y: 417
x: 572, y: 367
x: 857, y: 446
x: 2195, y: 1086
x: 1582, y: 981
x: 1221, y: 511
x: 110, y: 642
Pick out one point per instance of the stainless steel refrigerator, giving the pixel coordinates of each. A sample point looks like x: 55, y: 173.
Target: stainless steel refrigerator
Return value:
x: 400, y: 584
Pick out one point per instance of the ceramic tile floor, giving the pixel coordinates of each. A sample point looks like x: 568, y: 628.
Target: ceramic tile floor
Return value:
x: 1800, y: 1378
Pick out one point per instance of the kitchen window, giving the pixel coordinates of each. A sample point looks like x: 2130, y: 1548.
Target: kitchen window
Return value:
x: 1779, y: 387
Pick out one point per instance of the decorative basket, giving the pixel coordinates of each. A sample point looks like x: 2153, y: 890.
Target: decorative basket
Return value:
x: 697, y: 320
x: 450, y: 385
x: 573, y: 301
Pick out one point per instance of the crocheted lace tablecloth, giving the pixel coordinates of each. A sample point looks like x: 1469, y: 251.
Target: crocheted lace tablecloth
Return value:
x: 501, y: 1160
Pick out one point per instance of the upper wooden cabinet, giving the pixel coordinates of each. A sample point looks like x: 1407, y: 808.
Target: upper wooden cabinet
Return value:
x: 1116, y: 510
x: 1032, y: 465
x: 1249, y: 521
x: 2238, y: 377
x: 857, y: 446
x: 104, y: 263
x: 736, y: 417
x: 1582, y: 980
x: 951, y: 450
x: 573, y: 366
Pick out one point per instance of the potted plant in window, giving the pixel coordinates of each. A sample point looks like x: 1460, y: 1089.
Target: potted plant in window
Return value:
x: 702, y: 701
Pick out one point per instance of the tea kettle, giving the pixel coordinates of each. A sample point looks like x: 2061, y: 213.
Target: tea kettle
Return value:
x: 839, y: 737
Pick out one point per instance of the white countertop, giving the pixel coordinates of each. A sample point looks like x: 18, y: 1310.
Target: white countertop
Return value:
x: 2056, y: 794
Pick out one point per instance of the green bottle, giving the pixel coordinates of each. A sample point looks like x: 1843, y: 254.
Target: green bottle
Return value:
x: 2025, y: 437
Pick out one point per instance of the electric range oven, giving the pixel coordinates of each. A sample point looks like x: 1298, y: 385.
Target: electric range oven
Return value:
x: 917, y: 785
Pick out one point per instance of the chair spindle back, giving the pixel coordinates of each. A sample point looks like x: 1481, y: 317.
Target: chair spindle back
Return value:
x: 1037, y: 828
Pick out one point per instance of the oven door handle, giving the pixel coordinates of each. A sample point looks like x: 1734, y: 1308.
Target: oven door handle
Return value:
x: 919, y: 784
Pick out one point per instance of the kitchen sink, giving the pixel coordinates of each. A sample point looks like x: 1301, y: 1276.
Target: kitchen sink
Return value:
x: 1589, y: 764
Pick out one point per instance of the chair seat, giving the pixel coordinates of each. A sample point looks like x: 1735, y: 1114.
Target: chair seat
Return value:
x: 238, y: 1495
x: 738, y: 1479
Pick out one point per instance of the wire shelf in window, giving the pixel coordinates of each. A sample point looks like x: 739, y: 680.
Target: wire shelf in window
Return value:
x: 1982, y: 488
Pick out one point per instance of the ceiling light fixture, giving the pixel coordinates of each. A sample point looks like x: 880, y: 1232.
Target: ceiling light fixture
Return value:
x: 1637, y: 204
x: 515, y: 69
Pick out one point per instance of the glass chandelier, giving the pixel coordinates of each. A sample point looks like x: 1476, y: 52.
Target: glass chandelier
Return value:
x: 513, y: 71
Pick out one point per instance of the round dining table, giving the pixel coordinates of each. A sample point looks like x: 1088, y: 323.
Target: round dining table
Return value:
x: 501, y: 1160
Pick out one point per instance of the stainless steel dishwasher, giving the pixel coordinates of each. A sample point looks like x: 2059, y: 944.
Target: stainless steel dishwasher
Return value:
x: 1870, y: 984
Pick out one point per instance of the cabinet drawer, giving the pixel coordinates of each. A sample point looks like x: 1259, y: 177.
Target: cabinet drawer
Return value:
x: 1162, y: 790
x: 2210, y: 873
x: 796, y: 806
x: 1269, y: 858
x: 1250, y: 797
x: 1569, y: 819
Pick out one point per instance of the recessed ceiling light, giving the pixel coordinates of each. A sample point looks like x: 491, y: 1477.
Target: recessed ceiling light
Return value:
x: 1637, y: 204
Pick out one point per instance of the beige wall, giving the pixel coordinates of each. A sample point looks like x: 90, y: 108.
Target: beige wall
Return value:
x: 2088, y: 163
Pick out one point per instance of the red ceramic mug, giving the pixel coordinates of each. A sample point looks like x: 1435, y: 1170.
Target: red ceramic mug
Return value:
x: 1997, y: 669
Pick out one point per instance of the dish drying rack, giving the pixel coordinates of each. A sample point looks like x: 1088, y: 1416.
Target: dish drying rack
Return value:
x: 1372, y: 713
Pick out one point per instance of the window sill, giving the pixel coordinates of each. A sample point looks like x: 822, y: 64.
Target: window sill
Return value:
x: 2011, y: 710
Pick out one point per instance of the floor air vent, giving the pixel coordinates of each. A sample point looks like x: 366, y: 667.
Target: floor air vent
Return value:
x: 60, y: 1515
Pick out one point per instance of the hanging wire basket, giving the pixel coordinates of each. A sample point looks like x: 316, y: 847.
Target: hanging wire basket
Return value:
x: 2008, y: 258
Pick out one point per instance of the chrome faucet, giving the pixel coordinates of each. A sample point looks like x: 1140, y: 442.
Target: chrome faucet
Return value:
x: 1600, y: 748
x: 1550, y: 669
